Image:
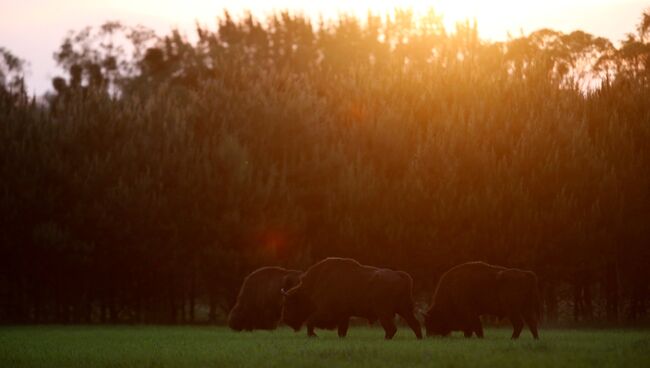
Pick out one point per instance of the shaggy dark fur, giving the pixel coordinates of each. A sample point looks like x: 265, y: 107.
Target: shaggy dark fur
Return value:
x: 335, y: 289
x: 259, y: 303
x: 470, y: 290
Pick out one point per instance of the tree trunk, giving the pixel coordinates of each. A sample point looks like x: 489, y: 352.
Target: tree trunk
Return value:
x: 577, y: 302
x: 212, y: 315
x: 192, y: 296
x: 173, y: 308
x: 638, y: 301
x: 550, y: 297
x: 588, y: 311
x: 103, y: 312
x: 138, y: 308
x: 611, y: 292
x: 183, y: 308
x: 112, y: 307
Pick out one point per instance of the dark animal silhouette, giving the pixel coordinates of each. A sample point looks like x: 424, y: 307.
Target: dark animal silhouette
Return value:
x: 259, y: 303
x: 335, y: 289
x: 470, y: 290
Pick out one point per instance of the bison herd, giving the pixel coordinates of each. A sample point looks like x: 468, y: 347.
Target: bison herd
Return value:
x: 333, y: 290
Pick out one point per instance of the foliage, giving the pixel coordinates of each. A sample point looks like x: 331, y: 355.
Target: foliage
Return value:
x: 392, y: 141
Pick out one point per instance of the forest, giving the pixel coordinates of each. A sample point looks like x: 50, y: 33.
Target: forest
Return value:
x: 161, y: 169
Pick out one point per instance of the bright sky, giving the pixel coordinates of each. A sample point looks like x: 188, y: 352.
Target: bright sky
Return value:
x: 32, y: 29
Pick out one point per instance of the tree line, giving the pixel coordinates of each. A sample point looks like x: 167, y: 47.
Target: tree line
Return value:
x: 160, y: 170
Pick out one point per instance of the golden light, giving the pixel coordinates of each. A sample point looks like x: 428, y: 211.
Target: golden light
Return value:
x: 495, y: 18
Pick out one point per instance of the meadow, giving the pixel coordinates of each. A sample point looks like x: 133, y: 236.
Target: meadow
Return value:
x: 126, y: 346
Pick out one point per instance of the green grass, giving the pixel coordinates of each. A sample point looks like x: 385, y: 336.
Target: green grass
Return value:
x: 364, y: 347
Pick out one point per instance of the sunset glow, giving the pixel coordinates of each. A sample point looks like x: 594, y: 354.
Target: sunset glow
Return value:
x: 34, y: 28
x: 496, y: 18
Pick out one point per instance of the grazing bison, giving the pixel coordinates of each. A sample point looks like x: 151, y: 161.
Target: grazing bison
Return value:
x: 470, y: 290
x: 259, y: 303
x: 335, y: 289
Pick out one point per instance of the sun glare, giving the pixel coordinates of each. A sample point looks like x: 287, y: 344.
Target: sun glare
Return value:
x: 495, y: 18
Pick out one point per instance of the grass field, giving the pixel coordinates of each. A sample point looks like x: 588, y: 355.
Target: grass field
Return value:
x: 364, y: 347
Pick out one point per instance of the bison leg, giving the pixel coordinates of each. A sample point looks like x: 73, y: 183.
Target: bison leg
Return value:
x: 517, y: 325
x: 310, y: 329
x: 413, y: 323
x: 248, y: 326
x: 477, y: 326
x: 479, y: 330
x: 343, y: 327
x: 388, y: 323
x: 472, y: 323
x: 531, y: 321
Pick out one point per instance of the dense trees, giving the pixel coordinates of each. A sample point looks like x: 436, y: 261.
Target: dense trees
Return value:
x: 164, y: 170
x: 12, y: 85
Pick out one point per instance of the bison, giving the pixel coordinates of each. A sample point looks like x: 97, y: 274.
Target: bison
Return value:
x: 335, y: 289
x: 472, y: 289
x: 259, y: 303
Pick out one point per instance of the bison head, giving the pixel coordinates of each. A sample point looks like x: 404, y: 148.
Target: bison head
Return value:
x: 296, y: 308
x: 291, y: 280
x: 436, y: 323
x: 234, y: 320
